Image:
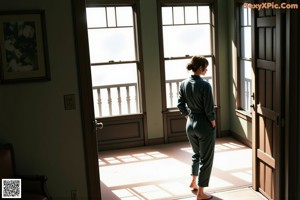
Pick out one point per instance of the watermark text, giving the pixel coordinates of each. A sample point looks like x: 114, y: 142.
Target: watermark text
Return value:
x: 270, y: 5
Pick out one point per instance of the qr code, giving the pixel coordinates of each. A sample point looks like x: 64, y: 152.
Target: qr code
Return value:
x: 11, y: 188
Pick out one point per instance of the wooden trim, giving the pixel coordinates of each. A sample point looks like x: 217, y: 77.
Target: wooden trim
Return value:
x: 265, y: 112
x: 254, y: 32
x: 86, y: 100
x: 266, y: 22
x: 244, y: 115
x: 180, y: 2
x: 265, y: 64
x: 156, y: 141
x: 266, y: 158
x: 120, y: 145
x: 292, y: 105
x: 109, y: 2
x: 241, y: 139
x: 279, y: 102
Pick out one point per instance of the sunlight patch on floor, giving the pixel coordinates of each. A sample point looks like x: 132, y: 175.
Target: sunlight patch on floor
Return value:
x: 163, y: 175
x: 165, y: 190
x: 216, y: 182
x: 246, y: 176
x: 233, y: 160
x: 154, y: 170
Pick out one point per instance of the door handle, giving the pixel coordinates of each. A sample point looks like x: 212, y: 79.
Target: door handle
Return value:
x: 98, y: 125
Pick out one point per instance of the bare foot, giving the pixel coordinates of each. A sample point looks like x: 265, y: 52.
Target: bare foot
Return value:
x: 203, y: 196
x: 193, y: 186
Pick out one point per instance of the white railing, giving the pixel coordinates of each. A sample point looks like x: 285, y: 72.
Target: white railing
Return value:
x: 116, y: 99
x: 121, y: 99
x: 246, y: 100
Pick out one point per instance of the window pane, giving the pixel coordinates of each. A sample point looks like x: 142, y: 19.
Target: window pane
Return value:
x: 186, y: 40
x: 246, y: 42
x: 176, y: 71
x: 167, y: 15
x: 208, y: 75
x: 178, y: 15
x: 190, y: 14
x: 246, y: 89
x: 204, y: 14
x: 109, y: 44
x: 249, y: 16
x: 111, y: 16
x: 244, y: 16
x: 124, y: 16
x: 124, y: 73
x: 96, y: 17
x: 117, y: 94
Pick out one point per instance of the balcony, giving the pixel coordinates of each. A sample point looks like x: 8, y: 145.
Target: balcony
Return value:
x: 123, y: 99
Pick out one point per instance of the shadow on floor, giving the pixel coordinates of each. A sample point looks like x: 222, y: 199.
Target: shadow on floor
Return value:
x: 161, y: 172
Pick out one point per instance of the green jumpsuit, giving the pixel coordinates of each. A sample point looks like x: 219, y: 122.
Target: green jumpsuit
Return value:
x: 196, y: 101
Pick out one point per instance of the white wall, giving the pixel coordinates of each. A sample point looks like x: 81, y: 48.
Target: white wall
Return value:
x: 47, y: 138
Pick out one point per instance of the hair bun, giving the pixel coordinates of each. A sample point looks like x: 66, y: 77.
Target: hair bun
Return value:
x: 189, y: 66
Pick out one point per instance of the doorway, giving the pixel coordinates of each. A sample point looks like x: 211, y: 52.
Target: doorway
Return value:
x: 87, y: 103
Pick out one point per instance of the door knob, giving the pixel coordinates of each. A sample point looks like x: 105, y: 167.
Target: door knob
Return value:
x: 98, y: 125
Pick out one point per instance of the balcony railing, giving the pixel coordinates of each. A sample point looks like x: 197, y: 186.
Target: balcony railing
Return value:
x: 122, y: 99
x: 118, y: 99
x: 246, y: 100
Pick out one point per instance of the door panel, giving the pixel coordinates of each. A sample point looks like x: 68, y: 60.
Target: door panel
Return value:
x: 267, y: 106
x: 121, y: 132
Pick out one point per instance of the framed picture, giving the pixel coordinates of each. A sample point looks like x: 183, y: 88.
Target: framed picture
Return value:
x: 23, y: 46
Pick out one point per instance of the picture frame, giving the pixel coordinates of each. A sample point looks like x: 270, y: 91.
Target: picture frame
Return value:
x: 23, y: 47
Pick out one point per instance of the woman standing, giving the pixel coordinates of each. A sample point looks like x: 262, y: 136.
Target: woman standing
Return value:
x: 196, y: 104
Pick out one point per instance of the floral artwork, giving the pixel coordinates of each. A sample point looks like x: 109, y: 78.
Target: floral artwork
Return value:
x: 23, y: 47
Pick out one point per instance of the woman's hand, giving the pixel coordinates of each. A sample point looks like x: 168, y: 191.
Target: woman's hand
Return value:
x: 213, y: 123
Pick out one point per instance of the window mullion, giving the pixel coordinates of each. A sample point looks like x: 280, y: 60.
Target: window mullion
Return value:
x: 116, y: 20
x: 106, y: 15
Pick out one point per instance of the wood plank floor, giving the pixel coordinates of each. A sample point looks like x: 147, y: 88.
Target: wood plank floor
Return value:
x: 162, y: 172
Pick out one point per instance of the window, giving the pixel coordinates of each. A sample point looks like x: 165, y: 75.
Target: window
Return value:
x: 186, y: 31
x: 244, y: 59
x: 114, y: 63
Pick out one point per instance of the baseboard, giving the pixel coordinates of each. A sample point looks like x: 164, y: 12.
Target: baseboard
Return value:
x: 225, y: 133
x: 155, y: 141
x: 241, y: 139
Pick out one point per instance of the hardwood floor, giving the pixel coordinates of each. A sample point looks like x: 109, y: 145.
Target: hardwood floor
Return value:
x: 161, y: 172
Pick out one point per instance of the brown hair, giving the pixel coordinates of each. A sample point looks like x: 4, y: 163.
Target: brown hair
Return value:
x: 197, y: 62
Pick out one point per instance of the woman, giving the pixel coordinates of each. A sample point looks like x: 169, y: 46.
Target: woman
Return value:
x: 196, y: 104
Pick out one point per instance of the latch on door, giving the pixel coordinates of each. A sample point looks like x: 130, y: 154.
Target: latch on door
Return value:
x: 98, y: 125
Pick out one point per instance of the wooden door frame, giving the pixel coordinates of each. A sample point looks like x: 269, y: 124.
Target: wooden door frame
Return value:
x: 86, y: 100
x: 292, y: 104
